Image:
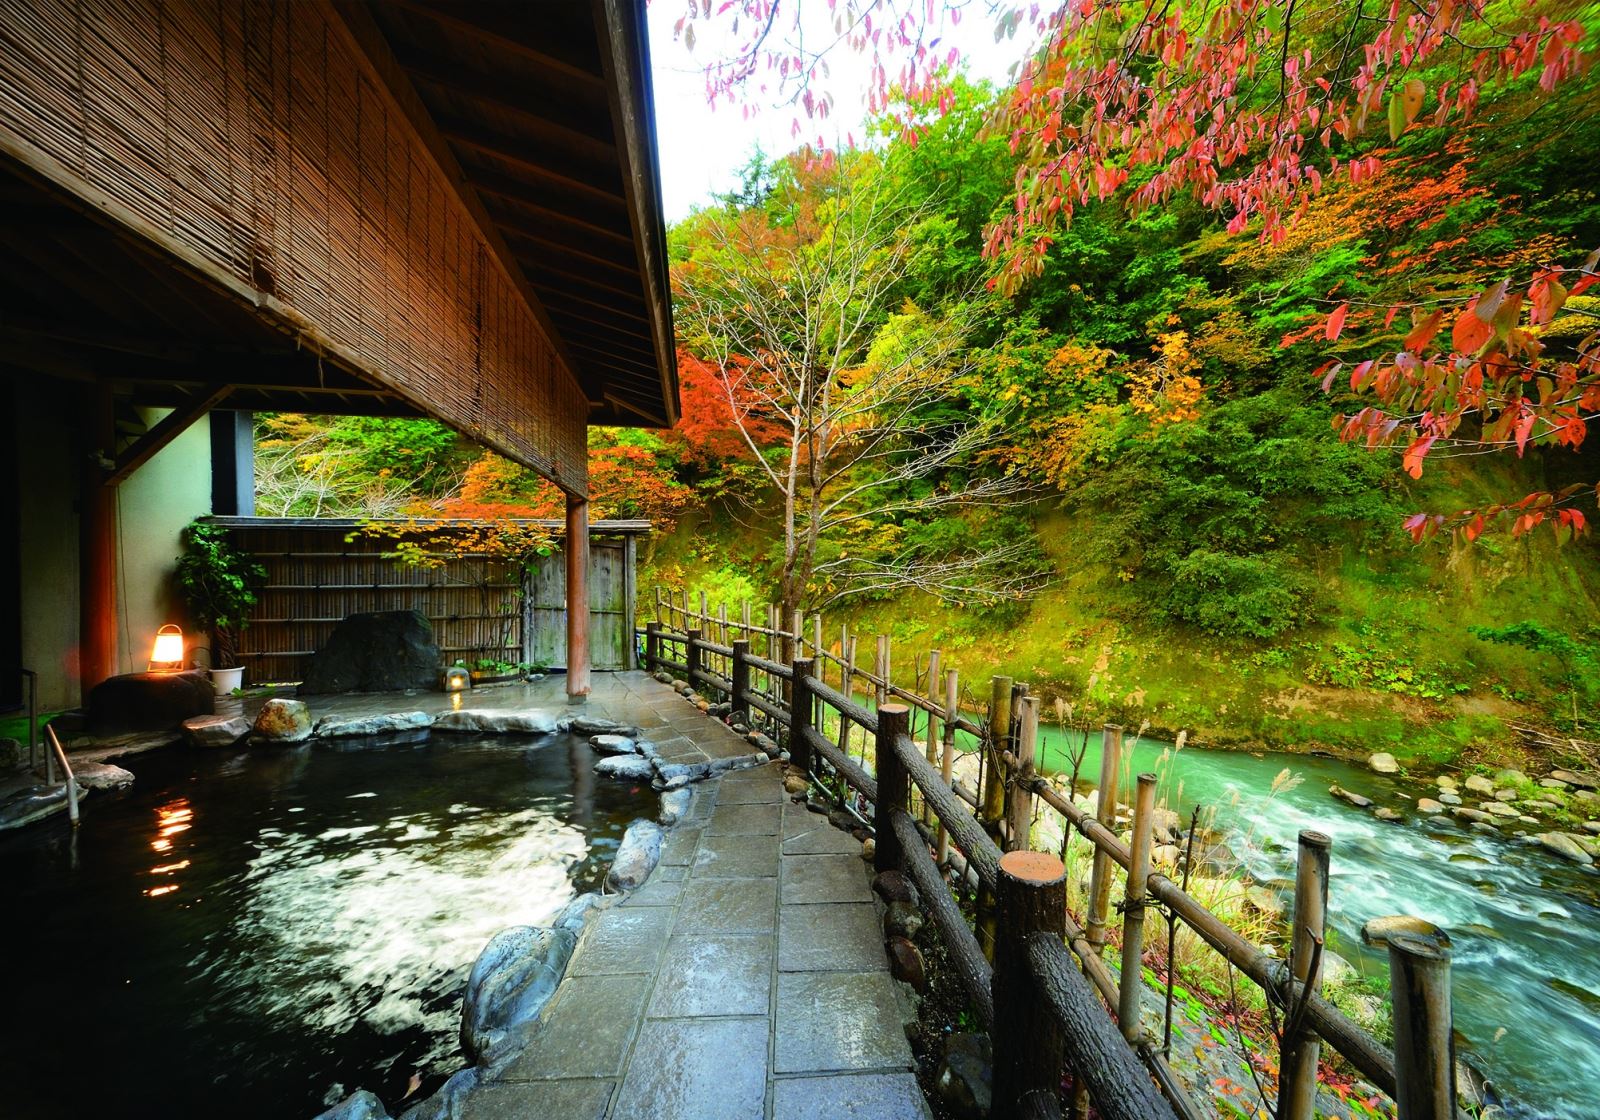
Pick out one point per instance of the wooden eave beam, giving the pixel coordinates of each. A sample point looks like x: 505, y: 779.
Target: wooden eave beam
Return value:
x: 495, y: 147
x: 557, y: 300
x: 466, y: 85
x: 521, y: 204
x: 581, y: 81
x: 167, y: 429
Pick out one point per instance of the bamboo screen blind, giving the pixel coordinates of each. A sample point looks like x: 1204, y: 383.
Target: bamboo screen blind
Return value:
x: 249, y: 139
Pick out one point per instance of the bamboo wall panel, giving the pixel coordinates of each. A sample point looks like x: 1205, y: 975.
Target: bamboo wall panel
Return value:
x: 251, y: 141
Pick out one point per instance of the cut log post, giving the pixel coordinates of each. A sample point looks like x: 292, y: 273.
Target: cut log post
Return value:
x: 652, y: 644
x: 802, y: 712
x: 1019, y: 791
x: 932, y: 728
x: 992, y: 794
x: 739, y: 703
x: 1132, y: 982
x: 847, y: 678
x: 1297, y: 1084
x: 1031, y: 899
x: 947, y: 762
x: 1100, y: 875
x: 894, y: 786
x: 1424, y: 1044
x: 691, y: 657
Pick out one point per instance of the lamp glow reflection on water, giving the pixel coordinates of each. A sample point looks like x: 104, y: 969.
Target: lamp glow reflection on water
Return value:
x: 172, y: 818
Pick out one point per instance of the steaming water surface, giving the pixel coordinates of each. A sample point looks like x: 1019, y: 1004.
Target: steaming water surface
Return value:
x: 246, y: 933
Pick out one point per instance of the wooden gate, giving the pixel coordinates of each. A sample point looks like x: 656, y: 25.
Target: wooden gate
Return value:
x: 611, y: 606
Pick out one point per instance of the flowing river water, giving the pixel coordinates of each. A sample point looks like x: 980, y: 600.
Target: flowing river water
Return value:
x: 251, y: 933
x: 1524, y: 924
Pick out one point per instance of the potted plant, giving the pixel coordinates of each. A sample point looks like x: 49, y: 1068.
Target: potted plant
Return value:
x: 220, y: 584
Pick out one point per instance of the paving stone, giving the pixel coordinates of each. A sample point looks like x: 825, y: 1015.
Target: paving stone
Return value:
x: 696, y: 1069
x: 736, y: 857
x: 838, y: 1021
x: 739, y: 820
x: 767, y: 790
x: 869, y: 1096
x: 657, y: 892
x: 674, y: 873
x: 822, y: 840
x: 679, y: 749
x: 679, y: 848
x: 722, y: 974
x: 806, y: 879
x: 728, y: 906
x: 834, y: 937
x: 622, y: 940
x: 584, y: 1030
x: 798, y: 820
x: 570, y: 1100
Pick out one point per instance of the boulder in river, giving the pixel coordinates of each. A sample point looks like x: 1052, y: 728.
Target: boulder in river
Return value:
x: 1500, y: 809
x: 215, y: 731
x: 1477, y: 816
x: 1565, y: 846
x: 1384, y: 813
x: 636, y: 857
x: 1445, y: 781
x: 1377, y: 931
x: 1553, y: 783
x: 1383, y: 763
x: 375, y: 651
x: 598, y: 725
x: 1583, y: 779
x: 497, y: 721
x: 1355, y: 799
x: 1429, y: 805
x: 1449, y: 797
x: 1477, y: 783
x: 1505, y: 794
x: 613, y: 744
x: 282, y: 721
x: 510, y: 982
x: 626, y: 768
x: 1592, y: 827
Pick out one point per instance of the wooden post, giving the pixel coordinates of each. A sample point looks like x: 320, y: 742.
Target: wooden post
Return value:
x: 1132, y: 983
x: 816, y: 645
x: 1297, y: 1084
x: 722, y: 623
x: 744, y: 618
x: 97, y: 545
x: 577, y: 557
x: 705, y: 617
x: 1032, y: 898
x: 1100, y: 875
x: 894, y: 785
x: 1424, y: 1046
x: 652, y: 645
x: 739, y: 704
x: 802, y: 712
x: 928, y: 816
x: 992, y: 798
x: 691, y: 656
x: 773, y: 651
x: 1019, y: 798
x: 658, y: 603
x: 947, y: 763
x: 846, y: 675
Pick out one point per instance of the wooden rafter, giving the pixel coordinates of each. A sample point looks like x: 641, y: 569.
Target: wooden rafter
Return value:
x: 167, y: 429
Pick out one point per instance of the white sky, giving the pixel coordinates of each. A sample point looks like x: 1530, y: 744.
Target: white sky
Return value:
x: 702, y: 149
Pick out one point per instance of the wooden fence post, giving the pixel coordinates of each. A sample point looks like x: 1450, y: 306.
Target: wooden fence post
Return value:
x: 1424, y: 1046
x: 992, y: 794
x: 1019, y: 798
x: 691, y: 657
x: 739, y: 710
x: 652, y: 646
x: 802, y: 712
x: 947, y: 762
x: 658, y: 603
x: 928, y: 816
x: 1100, y: 875
x: 1032, y: 898
x: 894, y: 721
x: 722, y: 623
x: 1297, y: 1078
x: 1132, y: 982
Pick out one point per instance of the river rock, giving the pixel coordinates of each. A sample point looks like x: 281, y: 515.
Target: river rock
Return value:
x: 1563, y: 845
x: 1585, y: 795
x: 1449, y: 797
x: 1355, y: 799
x: 1592, y: 827
x: 574, y: 913
x: 1383, y: 763
x: 1429, y: 805
x: 375, y: 651
x: 675, y: 806
x: 1335, y: 969
x: 1587, y: 843
x: 637, y: 856
x: 14, y: 755
x: 625, y: 768
x: 1166, y: 855
x: 892, y: 886
x: 901, y: 919
x: 32, y: 804
x: 450, y: 1102
x: 1445, y: 781
x: 598, y: 725
x: 613, y: 744
x: 101, y: 775
x: 1477, y: 783
x: 905, y: 963
x: 1384, y: 813
x: 1510, y: 777
x: 1583, y: 779
x: 394, y: 723
x: 282, y: 721
x: 215, y: 731
x: 795, y: 784
x: 1553, y: 783
x: 1499, y: 809
x: 139, y: 702
x: 1264, y: 900
x: 1505, y: 795
x: 510, y: 982
x: 359, y: 1105
x: 965, y: 1075
x: 1377, y: 931
x: 496, y: 721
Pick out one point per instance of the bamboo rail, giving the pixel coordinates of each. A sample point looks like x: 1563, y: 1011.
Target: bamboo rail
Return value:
x: 1035, y: 950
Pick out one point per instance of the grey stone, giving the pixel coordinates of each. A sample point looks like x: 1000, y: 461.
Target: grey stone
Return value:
x: 622, y: 941
x: 811, y: 879
x: 101, y: 775
x: 375, y: 651
x: 892, y: 886
x: 1383, y: 763
x: 696, y: 1069
x: 574, y: 913
x: 966, y: 1076
x: 745, y: 820
x: 140, y: 702
x: 14, y: 755
x: 830, y: 937
x: 1477, y: 783
x: 1511, y: 777
x: 1449, y: 797
x: 598, y: 725
x: 1477, y: 816
x: 1429, y: 805
x: 1355, y: 799
x: 359, y: 1105
x: 901, y: 919
x: 32, y: 804
x: 850, y: 1096
x: 735, y: 857
x: 675, y: 806
x: 721, y: 974
x: 394, y: 723
x: 838, y: 1021
x: 1384, y: 813
x: 1505, y: 795
x: 1565, y: 846
x: 636, y: 857
x: 728, y: 905
x: 613, y: 744
x: 450, y: 1102
x: 1583, y: 779
x: 1553, y: 783
x: 626, y: 768
x: 1499, y: 809
x: 215, y: 731
x: 494, y: 721
x: 282, y: 721
x: 511, y: 981
x: 564, y: 1099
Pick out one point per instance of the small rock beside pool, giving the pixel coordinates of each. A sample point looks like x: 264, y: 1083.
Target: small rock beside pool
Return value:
x: 282, y: 721
x: 1383, y: 763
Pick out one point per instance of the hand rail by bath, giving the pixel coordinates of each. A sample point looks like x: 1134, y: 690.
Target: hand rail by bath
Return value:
x: 60, y: 759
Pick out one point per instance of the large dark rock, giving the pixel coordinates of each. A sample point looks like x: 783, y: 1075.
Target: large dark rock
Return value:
x: 144, y: 702
x: 379, y: 651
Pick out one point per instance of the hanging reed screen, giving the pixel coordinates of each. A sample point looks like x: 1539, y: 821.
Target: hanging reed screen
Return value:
x: 253, y: 143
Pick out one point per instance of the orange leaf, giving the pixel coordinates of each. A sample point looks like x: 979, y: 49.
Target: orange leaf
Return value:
x: 1336, y: 321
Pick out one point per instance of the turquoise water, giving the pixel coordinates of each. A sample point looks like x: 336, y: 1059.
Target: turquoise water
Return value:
x: 252, y: 933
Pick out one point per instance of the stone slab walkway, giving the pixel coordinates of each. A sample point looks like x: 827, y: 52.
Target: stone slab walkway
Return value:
x: 746, y: 979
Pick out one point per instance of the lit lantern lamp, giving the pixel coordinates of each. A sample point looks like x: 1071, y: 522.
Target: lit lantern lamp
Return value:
x: 457, y: 679
x: 167, y: 656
